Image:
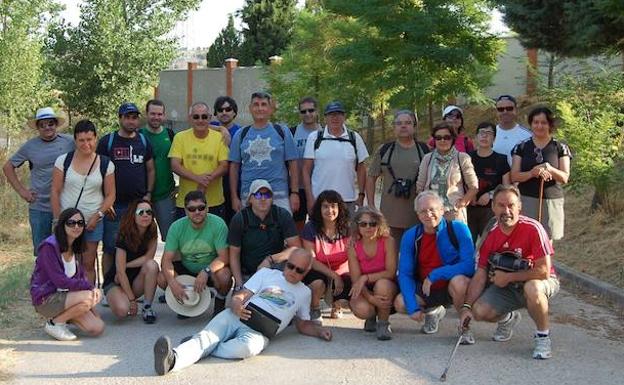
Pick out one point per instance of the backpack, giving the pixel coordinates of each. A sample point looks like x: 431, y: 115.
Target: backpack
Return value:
x: 111, y: 136
x: 421, y: 147
x: 320, y: 137
x: 274, y: 222
x: 103, y: 166
x: 451, y: 234
x: 278, y: 128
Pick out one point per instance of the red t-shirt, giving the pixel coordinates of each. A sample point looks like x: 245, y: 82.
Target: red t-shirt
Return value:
x: 429, y: 259
x: 528, y: 238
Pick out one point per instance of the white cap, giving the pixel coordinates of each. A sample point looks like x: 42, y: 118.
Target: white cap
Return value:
x: 451, y: 108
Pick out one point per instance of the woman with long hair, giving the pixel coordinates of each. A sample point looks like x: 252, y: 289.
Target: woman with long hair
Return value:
x: 326, y: 235
x: 134, y: 272
x: 372, y: 264
x: 59, y: 288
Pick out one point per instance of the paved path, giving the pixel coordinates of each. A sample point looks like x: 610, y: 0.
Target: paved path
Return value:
x: 588, y: 349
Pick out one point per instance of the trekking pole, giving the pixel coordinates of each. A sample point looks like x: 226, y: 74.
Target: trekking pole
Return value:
x: 541, y: 199
x: 450, y: 360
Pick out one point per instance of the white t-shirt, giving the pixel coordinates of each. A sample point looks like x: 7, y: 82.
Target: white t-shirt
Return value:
x: 506, y: 140
x: 334, y: 163
x: 92, y: 196
x: 284, y: 300
x: 69, y: 267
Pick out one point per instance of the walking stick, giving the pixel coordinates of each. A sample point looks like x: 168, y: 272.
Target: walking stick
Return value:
x: 541, y: 199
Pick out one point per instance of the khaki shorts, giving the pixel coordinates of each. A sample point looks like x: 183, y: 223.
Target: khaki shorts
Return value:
x: 53, y: 305
x: 509, y: 298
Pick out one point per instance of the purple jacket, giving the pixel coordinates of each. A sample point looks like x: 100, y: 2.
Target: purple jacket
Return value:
x: 49, y: 273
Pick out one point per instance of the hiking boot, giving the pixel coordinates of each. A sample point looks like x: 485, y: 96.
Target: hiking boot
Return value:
x: 542, y: 349
x: 370, y: 325
x: 504, y: 330
x: 149, y: 316
x: 432, y: 320
x: 164, y: 357
x: 467, y: 338
x: 315, y: 316
x: 384, y: 333
x: 59, y: 331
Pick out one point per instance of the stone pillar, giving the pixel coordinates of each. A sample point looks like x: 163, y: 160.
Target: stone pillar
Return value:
x: 156, y: 92
x: 531, y: 84
x: 230, y: 66
x: 190, y: 67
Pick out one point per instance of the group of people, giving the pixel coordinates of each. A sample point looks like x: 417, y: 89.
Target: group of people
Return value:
x: 276, y: 215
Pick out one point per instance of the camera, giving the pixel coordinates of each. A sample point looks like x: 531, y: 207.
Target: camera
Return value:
x: 402, y: 188
x: 509, y: 261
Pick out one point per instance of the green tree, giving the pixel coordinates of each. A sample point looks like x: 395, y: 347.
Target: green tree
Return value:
x: 596, y: 26
x: 114, y: 54
x: 227, y: 45
x: 268, y: 26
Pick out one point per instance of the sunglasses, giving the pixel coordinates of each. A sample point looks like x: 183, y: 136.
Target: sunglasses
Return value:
x: 75, y: 223
x: 225, y: 109
x: 192, y: 209
x: 505, y: 109
x: 141, y: 212
x: 292, y: 266
x: 307, y: 111
x: 539, y: 157
x: 262, y: 195
x: 202, y: 116
x: 443, y: 137
x: 364, y: 224
x: 453, y: 116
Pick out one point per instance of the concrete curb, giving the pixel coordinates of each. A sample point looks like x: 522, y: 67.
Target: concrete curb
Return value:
x: 591, y: 284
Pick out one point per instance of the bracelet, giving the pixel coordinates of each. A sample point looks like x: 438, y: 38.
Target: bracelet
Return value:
x: 467, y: 306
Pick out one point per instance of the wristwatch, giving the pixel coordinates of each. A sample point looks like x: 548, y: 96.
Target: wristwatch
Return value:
x: 207, y: 270
x: 100, y: 214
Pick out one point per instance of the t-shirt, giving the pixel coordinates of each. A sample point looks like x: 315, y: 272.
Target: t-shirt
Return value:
x: 528, y: 238
x: 260, y: 238
x: 489, y: 170
x: 131, y: 255
x: 129, y: 156
x: 92, y: 196
x: 282, y: 299
x: 506, y: 140
x: 374, y: 264
x: 200, y: 156
x: 197, y: 247
x: 41, y: 156
x: 301, y: 137
x: 334, y: 163
x: 551, y: 154
x: 332, y: 253
x: 161, y: 144
x: 262, y: 155
x: 429, y: 259
x: 405, y: 162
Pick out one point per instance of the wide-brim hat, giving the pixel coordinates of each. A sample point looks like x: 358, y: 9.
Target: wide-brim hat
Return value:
x: 46, y: 113
x: 195, y: 305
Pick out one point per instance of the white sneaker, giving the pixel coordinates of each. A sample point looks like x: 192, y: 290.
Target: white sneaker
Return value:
x: 542, y: 349
x: 432, y: 320
x: 504, y: 329
x: 59, y: 331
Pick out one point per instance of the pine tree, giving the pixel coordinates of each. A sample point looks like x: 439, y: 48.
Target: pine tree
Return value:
x: 227, y: 45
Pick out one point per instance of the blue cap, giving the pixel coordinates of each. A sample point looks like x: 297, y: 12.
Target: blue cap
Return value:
x: 128, y: 108
x: 334, y: 107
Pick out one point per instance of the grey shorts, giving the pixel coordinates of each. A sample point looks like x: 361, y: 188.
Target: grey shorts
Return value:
x: 509, y: 298
x: 553, y: 217
x: 53, y: 305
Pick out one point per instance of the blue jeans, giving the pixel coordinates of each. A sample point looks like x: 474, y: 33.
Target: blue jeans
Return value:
x: 165, y: 214
x: 111, y: 228
x: 40, y: 226
x: 225, y: 336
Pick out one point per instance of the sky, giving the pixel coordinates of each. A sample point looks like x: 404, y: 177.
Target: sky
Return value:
x: 203, y: 25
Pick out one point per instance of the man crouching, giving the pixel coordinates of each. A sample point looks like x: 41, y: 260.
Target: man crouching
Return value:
x: 518, y: 252
x: 268, y: 302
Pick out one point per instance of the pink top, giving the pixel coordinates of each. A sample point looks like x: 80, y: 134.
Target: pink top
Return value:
x: 332, y: 254
x: 374, y: 264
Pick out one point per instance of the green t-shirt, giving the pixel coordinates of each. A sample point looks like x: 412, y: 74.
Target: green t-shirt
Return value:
x: 198, y: 247
x: 161, y: 144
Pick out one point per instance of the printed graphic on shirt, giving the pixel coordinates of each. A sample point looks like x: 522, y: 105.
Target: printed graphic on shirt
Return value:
x: 126, y: 153
x: 278, y: 297
x: 259, y: 150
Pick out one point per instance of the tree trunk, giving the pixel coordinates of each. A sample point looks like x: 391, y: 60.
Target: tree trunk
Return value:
x: 551, y: 71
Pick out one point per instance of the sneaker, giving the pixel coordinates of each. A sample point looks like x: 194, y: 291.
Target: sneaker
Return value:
x: 384, y: 333
x: 542, y: 349
x: 315, y: 316
x: 504, y: 330
x: 164, y: 357
x: 432, y: 320
x: 467, y: 338
x: 59, y: 331
x: 162, y: 299
x: 149, y: 316
x: 370, y: 325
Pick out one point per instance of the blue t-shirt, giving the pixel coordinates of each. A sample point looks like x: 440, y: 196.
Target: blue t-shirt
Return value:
x: 262, y: 155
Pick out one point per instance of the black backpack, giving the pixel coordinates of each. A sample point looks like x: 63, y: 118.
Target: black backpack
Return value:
x: 103, y: 166
x: 278, y: 128
x: 421, y: 147
x: 320, y: 138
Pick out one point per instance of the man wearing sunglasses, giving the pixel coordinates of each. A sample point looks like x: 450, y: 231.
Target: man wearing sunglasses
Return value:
x: 40, y: 153
x: 279, y: 296
x: 199, y: 156
x: 200, y: 241
x: 508, y: 131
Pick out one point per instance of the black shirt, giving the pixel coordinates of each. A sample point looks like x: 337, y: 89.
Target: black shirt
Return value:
x: 489, y: 170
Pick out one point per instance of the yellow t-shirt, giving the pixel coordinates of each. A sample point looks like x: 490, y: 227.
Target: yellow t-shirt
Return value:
x: 200, y: 156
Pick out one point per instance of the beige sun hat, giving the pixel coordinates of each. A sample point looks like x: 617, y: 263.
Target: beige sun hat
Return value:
x: 46, y: 113
x: 196, y: 304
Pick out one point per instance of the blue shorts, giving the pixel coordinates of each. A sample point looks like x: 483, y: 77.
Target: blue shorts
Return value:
x: 97, y: 234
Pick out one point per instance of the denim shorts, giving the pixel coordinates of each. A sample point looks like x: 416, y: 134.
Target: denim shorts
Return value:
x: 97, y: 234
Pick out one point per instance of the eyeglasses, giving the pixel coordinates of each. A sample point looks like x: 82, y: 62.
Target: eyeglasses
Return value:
x: 141, y: 212
x: 262, y: 195
x: 403, y: 123
x: 292, y: 266
x: 307, y: 111
x: 539, y: 157
x: 365, y: 224
x: 428, y: 211
x: 48, y: 123
x: 225, y: 109
x: 192, y: 209
x: 75, y: 223
x: 202, y: 116
x: 505, y: 109
x: 443, y: 137
x: 485, y: 132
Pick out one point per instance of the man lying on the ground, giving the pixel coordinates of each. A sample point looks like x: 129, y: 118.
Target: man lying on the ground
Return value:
x: 273, y: 295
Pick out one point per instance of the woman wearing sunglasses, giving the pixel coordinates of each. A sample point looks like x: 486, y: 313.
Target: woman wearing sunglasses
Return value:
x: 448, y: 172
x: 373, y: 264
x: 326, y: 235
x: 134, y: 272
x: 59, y: 288
x: 455, y: 117
x: 541, y: 166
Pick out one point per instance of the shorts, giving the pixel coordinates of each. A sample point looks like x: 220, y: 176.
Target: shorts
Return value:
x: 180, y: 269
x: 301, y: 214
x: 509, y: 298
x: 552, y: 214
x: 111, y: 228
x: 314, y: 275
x: 437, y: 297
x: 52, y: 305
x: 96, y: 234
x: 109, y: 279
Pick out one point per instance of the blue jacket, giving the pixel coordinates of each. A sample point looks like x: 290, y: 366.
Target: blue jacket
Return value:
x: 454, y: 262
